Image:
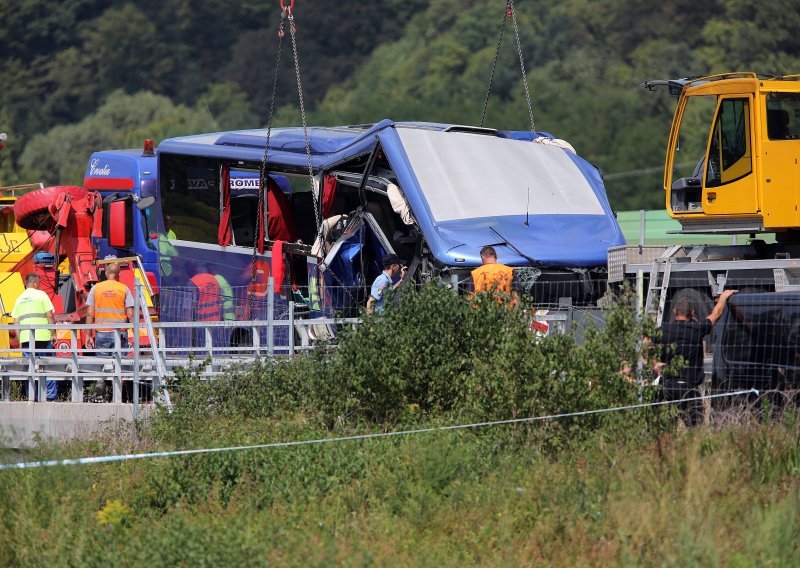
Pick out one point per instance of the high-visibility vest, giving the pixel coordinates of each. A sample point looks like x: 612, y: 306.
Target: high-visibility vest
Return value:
x: 493, y: 277
x: 208, y: 301
x: 31, y: 309
x: 109, y: 302
x: 226, y: 298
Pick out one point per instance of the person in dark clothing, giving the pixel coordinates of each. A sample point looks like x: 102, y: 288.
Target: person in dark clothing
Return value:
x: 684, y: 337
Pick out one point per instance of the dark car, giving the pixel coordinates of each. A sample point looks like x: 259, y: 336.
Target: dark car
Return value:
x: 758, y: 343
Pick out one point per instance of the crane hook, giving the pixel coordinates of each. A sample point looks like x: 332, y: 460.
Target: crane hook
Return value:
x: 287, y: 8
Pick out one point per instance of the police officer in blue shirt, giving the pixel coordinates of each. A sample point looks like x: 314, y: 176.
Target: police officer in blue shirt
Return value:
x: 393, y: 267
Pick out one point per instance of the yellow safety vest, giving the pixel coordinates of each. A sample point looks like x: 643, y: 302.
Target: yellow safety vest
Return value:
x: 31, y: 309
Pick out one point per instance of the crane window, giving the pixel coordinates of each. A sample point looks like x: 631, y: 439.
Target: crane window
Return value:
x: 783, y: 116
x: 729, y: 155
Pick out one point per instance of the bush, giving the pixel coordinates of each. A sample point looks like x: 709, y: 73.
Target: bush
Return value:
x: 436, y: 356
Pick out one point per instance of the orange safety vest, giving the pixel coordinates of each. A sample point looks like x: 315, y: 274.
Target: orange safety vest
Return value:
x: 209, y: 307
x: 494, y: 277
x: 109, y: 302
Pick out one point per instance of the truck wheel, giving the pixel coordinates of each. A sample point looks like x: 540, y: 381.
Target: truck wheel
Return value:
x: 700, y: 302
x: 31, y: 210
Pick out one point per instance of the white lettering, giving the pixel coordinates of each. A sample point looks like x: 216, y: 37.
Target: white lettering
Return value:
x: 245, y: 183
x: 94, y: 170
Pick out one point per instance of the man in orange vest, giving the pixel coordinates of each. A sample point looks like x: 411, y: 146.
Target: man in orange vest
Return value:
x: 209, y: 295
x: 492, y: 276
x: 109, y: 302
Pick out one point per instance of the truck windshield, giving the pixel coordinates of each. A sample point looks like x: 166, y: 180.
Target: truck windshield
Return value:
x: 690, y: 145
x: 466, y: 176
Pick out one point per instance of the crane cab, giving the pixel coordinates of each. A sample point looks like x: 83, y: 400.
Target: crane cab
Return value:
x: 733, y: 151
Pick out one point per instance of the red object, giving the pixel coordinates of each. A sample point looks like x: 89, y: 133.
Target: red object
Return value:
x: 39, y: 240
x: 117, y: 236
x: 118, y: 184
x: 208, y: 300
x: 224, y: 231
x: 328, y: 195
x: 32, y: 209
x: 280, y: 217
x: 284, y: 7
x: 149, y: 149
x: 151, y: 278
x: 278, y: 269
x: 73, y: 210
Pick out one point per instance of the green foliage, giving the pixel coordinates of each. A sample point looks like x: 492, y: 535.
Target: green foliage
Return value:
x: 614, y: 488
x: 123, y: 121
x: 690, y: 500
x: 434, y: 355
x: 416, y: 60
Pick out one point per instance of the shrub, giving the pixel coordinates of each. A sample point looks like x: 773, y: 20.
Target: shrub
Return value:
x: 434, y: 355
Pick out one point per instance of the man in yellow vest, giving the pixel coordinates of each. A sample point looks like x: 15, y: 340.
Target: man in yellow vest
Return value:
x: 109, y: 302
x: 492, y: 276
x: 33, y: 307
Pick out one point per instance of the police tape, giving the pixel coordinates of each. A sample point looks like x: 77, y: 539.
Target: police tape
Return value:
x: 173, y: 453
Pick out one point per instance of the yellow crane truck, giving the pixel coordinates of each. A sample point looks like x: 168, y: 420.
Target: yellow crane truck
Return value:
x: 731, y: 168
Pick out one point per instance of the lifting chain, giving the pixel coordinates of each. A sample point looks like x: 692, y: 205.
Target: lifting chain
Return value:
x: 511, y: 12
x: 263, y: 178
x: 314, y: 191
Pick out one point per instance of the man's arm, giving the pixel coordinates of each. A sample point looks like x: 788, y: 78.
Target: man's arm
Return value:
x: 403, y: 274
x: 719, y: 307
x: 370, y: 305
x: 129, y: 314
x: 90, y: 332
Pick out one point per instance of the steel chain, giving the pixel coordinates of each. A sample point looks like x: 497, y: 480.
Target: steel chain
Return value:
x: 314, y: 196
x: 494, y: 65
x: 314, y: 193
x: 509, y: 11
x: 262, y: 175
x: 521, y: 63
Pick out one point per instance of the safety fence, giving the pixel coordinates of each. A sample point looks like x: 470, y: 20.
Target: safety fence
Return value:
x: 134, y: 371
x: 755, y: 345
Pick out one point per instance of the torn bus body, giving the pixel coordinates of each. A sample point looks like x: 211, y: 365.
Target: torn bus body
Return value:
x: 432, y: 194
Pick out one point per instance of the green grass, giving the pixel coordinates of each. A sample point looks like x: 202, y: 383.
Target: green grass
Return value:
x: 615, y: 489
x: 447, y: 499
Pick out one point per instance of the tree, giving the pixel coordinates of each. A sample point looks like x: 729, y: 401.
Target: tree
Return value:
x: 123, y: 121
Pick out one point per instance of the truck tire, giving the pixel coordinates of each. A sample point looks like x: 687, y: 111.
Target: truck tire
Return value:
x: 31, y: 210
x: 700, y: 301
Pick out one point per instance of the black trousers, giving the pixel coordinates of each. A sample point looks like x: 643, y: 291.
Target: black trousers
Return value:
x: 691, y: 412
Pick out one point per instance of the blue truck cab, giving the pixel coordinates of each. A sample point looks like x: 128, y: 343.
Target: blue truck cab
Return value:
x: 124, y: 177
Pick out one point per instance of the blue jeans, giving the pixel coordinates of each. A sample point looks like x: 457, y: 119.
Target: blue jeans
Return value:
x: 52, y: 386
x: 105, y: 340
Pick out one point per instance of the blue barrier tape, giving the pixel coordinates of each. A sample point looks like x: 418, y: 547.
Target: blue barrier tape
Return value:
x: 127, y: 457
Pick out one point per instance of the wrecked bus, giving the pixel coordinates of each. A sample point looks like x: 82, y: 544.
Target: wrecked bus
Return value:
x: 433, y: 194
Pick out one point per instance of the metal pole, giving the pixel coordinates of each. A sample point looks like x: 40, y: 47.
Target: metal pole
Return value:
x: 32, y: 385
x: 640, y: 292
x: 116, y: 389
x: 270, y: 315
x: 641, y: 226
x: 136, y: 344
x: 77, y: 381
x: 291, y: 328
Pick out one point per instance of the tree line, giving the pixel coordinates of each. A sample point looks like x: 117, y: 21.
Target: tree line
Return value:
x: 83, y: 75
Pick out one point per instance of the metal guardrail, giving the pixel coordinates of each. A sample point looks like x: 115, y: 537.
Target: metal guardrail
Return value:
x: 143, y: 370
x: 149, y: 368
